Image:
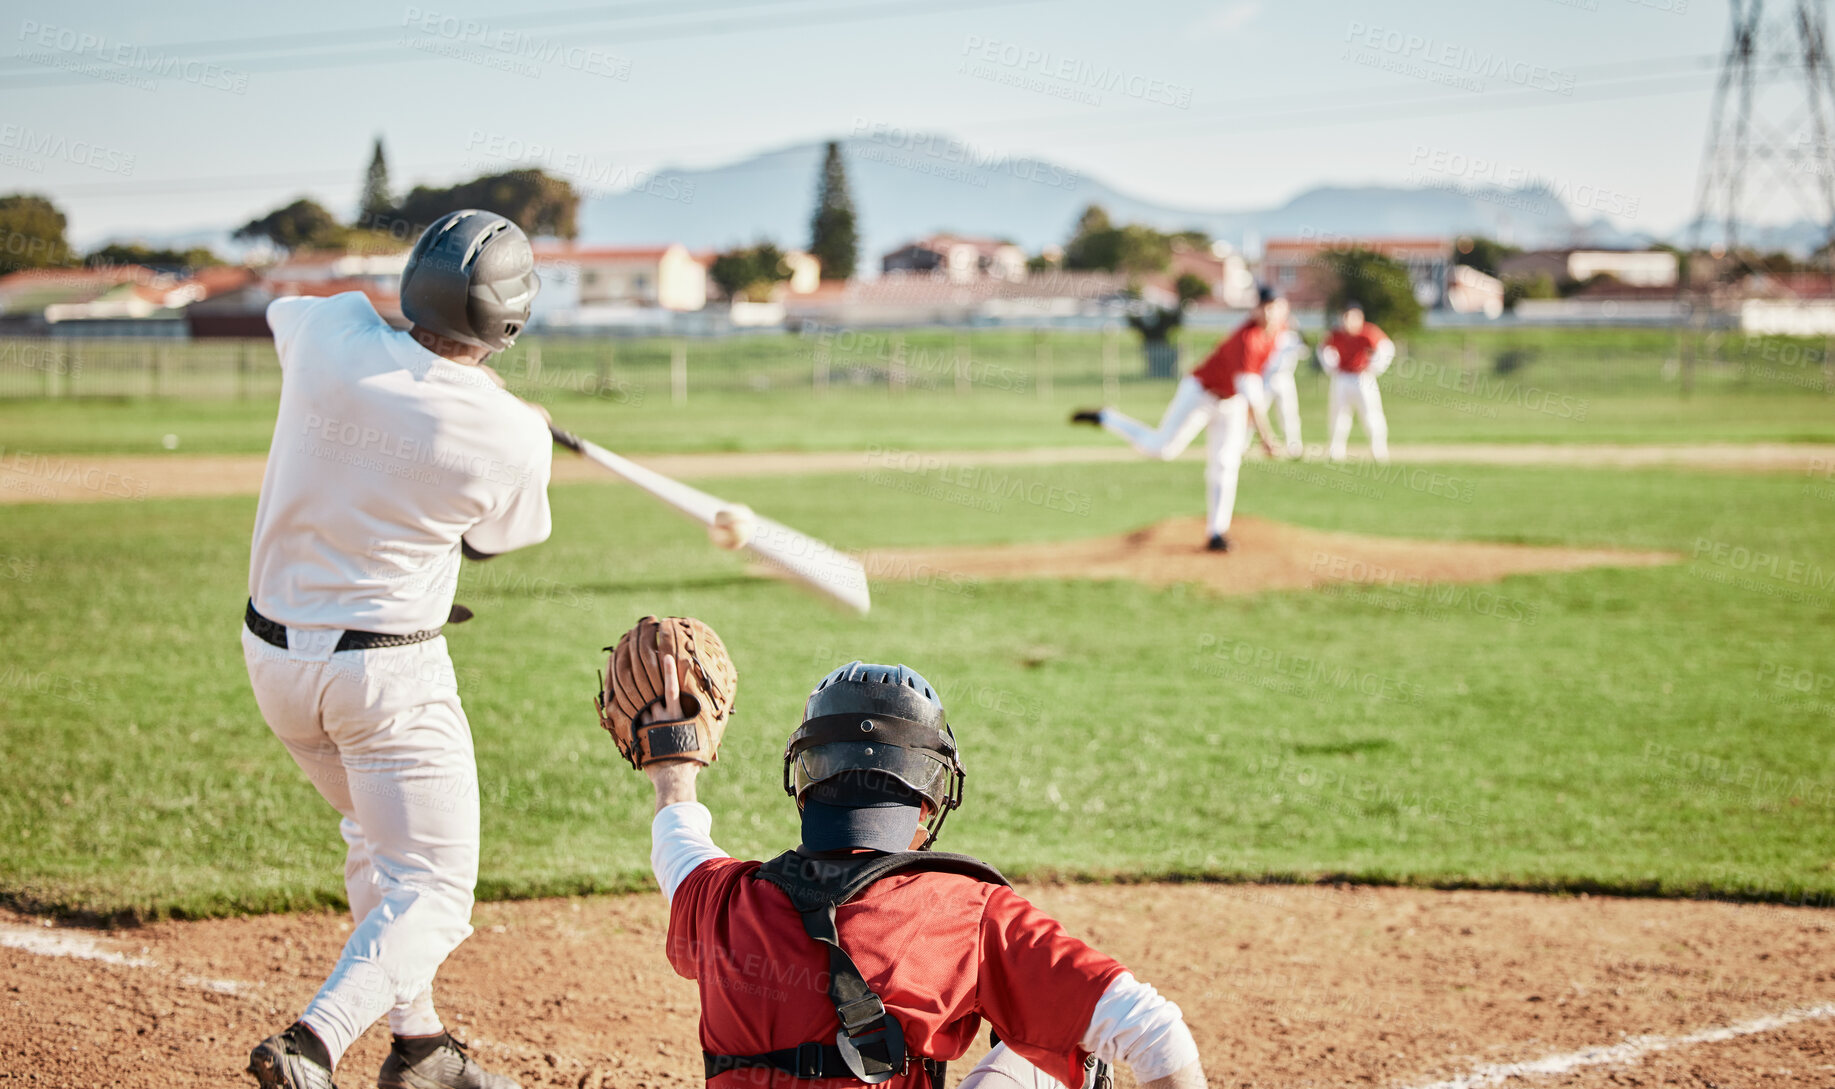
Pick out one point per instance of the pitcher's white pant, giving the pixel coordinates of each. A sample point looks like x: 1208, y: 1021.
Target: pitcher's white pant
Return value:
x: 1192, y: 410
x: 1357, y: 393
x: 1284, y: 399
x: 381, y: 735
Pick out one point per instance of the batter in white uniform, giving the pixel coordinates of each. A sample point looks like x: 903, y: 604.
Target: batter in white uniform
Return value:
x: 393, y: 453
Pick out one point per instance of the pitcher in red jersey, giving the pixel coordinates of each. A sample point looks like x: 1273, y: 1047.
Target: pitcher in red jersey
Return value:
x: 1225, y: 394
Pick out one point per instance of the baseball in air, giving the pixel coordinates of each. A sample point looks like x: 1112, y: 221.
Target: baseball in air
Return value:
x: 733, y: 527
x: 170, y: 442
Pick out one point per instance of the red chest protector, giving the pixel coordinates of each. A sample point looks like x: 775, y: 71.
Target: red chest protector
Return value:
x: 871, y: 1044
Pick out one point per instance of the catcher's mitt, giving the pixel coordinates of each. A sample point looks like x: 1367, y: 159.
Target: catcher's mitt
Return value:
x: 636, y: 681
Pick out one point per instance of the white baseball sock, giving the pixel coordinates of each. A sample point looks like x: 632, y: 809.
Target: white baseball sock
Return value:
x: 416, y: 1018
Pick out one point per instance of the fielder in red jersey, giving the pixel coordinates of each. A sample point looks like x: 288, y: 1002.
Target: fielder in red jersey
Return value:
x: 932, y: 948
x: 1355, y: 354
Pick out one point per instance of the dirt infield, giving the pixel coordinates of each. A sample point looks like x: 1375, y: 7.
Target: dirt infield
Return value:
x: 1284, y: 986
x: 59, y: 478
x: 1268, y: 556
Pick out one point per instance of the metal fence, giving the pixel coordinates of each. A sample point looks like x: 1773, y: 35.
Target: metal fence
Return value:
x: 942, y: 362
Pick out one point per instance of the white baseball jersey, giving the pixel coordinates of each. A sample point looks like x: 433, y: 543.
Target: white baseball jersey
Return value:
x: 1288, y: 347
x: 384, y: 456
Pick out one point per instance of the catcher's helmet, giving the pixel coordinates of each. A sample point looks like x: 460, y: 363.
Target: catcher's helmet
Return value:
x: 471, y: 277
x: 872, y: 735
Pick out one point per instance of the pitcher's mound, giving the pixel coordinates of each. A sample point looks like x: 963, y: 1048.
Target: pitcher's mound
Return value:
x: 1267, y: 556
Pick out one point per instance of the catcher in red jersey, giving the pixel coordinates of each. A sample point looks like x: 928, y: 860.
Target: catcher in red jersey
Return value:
x: 862, y: 956
x: 1355, y: 354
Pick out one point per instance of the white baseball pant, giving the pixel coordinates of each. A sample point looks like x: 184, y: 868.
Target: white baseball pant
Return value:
x: 1357, y: 393
x: 382, y: 736
x: 1284, y: 398
x: 1193, y: 409
x: 1002, y: 1068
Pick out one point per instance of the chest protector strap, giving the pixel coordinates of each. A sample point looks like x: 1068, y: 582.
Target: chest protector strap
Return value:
x: 871, y: 1044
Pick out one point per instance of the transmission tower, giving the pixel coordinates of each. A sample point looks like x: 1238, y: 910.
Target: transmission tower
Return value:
x: 1770, y: 152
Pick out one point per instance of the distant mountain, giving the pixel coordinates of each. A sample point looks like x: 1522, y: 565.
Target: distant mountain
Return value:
x: 917, y: 185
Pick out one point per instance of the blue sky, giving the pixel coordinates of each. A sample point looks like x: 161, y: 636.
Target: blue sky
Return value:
x: 142, y: 118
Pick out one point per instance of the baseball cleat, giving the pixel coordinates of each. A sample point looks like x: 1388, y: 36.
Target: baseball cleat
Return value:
x: 1217, y: 543
x: 1087, y: 416
x: 448, y: 1067
x: 278, y: 1063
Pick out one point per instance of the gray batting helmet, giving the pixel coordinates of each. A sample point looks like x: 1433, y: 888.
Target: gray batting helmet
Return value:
x: 875, y: 735
x: 471, y: 277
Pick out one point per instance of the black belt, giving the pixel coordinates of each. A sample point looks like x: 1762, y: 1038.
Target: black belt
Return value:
x: 276, y: 634
x: 805, y: 1061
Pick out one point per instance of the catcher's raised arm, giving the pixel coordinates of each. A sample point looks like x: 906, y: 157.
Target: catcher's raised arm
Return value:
x: 667, y: 692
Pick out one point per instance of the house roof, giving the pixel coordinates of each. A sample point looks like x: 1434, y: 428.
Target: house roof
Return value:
x: 565, y: 252
x: 937, y: 242
x: 1276, y: 248
x: 33, y: 289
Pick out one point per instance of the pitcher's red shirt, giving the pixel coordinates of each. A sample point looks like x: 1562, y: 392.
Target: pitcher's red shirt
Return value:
x: 1244, y: 351
x: 1354, y: 349
x: 942, y: 950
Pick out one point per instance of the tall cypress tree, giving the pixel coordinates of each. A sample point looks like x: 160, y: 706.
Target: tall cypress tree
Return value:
x: 833, y: 238
x: 377, y: 205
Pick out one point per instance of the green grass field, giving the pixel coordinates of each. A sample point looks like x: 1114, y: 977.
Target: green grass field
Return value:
x: 756, y: 393
x: 1657, y: 730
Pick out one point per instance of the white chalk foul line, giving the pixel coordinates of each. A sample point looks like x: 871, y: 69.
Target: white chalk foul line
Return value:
x: 50, y: 942
x: 1632, y: 1049
x: 64, y: 943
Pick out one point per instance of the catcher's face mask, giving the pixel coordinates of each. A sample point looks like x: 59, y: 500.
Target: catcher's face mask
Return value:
x: 875, y: 736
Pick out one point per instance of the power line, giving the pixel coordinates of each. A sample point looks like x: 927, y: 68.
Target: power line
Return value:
x: 694, y: 30
x: 310, y: 39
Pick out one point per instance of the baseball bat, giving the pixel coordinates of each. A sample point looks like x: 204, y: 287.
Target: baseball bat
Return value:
x: 815, y: 564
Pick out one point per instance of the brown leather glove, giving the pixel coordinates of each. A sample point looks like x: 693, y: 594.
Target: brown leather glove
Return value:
x: 677, y: 669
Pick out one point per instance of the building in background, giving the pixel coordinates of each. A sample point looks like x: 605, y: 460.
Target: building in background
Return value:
x: 1469, y: 291
x: 585, y: 278
x: 1633, y: 268
x: 109, y: 301
x: 379, y: 271
x: 957, y: 259
x: 1292, y: 265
